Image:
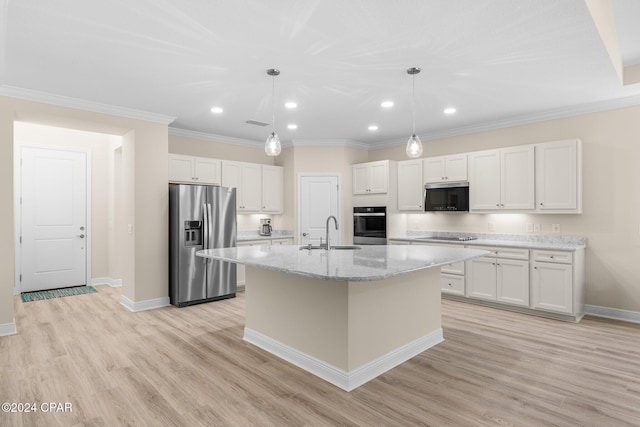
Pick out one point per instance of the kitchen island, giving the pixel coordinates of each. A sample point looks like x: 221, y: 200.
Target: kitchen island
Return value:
x: 345, y: 315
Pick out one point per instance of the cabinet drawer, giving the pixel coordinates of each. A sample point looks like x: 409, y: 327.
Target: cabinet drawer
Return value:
x: 282, y: 241
x: 452, y: 284
x: 501, y: 252
x: 553, y: 256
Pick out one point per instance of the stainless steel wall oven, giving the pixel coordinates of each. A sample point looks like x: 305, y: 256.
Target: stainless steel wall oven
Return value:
x: 370, y: 225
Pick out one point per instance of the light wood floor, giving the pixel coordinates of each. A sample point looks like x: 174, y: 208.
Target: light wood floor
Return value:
x: 190, y: 367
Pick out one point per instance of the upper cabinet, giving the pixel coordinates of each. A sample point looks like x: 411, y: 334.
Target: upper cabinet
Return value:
x: 371, y: 178
x: 445, y: 168
x: 410, y: 185
x: 559, y: 177
x: 247, y: 179
x: 272, y: 189
x: 194, y: 170
x: 502, y: 179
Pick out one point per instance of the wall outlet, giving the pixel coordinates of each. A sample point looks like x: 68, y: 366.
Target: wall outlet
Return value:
x: 536, y: 228
x: 492, y: 226
x: 555, y: 228
x: 529, y: 227
x: 130, y: 228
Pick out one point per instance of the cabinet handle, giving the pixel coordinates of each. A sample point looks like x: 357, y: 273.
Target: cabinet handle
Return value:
x: 535, y: 268
x: 493, y: 263
x: 449, y: 284
x: 541, y: 204
x: 551, y: 256
x: 498, y: 204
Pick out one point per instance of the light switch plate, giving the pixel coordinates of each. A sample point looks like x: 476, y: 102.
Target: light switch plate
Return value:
x: 130, y: 228
x: 536, y: 228
x: 529, y: 227
x: 492, y: 226
x: 555, y: 228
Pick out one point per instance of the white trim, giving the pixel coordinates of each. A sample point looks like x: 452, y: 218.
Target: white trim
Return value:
x: 213, y: 137
x: 560, y: 113
x: 82, y: 104
x: 345, y: 380
x: 612, y: 313
x: 8, y: 329
x: 17, y: 211
x: 97, y: 281
x: 149, y: 304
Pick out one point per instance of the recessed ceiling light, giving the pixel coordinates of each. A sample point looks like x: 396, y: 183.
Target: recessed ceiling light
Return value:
x: 387, y: 104
x: 373, y: 127
x: 292, y: 126
x: 216, y: 110
x: 290, y: 105
x: 449, y: 110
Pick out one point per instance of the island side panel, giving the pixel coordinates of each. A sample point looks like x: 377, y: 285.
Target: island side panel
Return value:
x: 387, y: 314
x: 306, y: 314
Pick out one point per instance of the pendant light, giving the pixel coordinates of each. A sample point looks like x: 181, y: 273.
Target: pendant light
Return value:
x: 272, y: 147
x: 414, y: 145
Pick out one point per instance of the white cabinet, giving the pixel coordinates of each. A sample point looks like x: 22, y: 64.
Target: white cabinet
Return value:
x: 445, y: 168
x: 194, y: 170
x: 552, y: 281
x: 371, y: 178
x: 246, y: 178
x: 503, y: 276
x: 558, y: 177
x: 502, y: 179
x: 282, y: 241
x: 452, y: 275
x: 272, y: 189
x: 410, y: 185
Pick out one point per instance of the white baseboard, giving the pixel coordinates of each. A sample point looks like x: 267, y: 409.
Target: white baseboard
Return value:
x: 114, y: 283
x: 8, y: 329
x: 612, y: 313
x: 345, y: 380
x: 149, y: 304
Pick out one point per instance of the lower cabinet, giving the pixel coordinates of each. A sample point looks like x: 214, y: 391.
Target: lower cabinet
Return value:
x: 552, y: 283
x: 240, y: 272
x: 500, y: 279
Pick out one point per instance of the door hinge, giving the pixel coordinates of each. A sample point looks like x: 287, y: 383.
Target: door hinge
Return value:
x: 21, y: 278
x: 20, y: 239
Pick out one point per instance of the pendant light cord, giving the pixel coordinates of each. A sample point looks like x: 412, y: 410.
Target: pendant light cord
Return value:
x: 413, y: 103
x: 273, y: 102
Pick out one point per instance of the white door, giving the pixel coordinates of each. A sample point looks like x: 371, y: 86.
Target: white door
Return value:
x: 318, y: 196
x: 53, y: 218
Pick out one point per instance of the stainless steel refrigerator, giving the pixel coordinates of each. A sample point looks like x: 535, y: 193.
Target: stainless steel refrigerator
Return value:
x: 200, y: 217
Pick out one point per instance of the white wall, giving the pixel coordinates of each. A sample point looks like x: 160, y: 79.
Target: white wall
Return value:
x: 611, y: 197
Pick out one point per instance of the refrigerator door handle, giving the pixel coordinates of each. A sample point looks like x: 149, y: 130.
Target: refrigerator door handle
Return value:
x: 209, y: 228
x: 205, y: 229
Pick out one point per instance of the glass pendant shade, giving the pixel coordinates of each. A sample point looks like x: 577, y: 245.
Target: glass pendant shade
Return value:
x: 272, y: 147
x: 414, y: 146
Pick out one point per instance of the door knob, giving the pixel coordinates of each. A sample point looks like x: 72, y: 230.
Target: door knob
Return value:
x: 304, y: 234
x: 81, y: 236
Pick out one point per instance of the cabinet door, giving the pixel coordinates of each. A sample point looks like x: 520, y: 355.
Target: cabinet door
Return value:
x: 513, y: 282
x: 434, y: 169
x: 552, y: 287
x: 484, y: 180
x: 251, y: 187
x: 557, y: 175
x: 181, y: 168
x: 272, y: 189
x: 360, y: 174
x: 378, y: 177
x: 207, y: 171
x: 456, y: 168
x: 286, y: 241
x: 232, y: 177
x: 410, y: 186
x: 517, y: 178
x: 240, y: 270
x: 481, y: 278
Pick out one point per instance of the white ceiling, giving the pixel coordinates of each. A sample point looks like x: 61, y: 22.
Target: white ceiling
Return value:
x: 496, y: 61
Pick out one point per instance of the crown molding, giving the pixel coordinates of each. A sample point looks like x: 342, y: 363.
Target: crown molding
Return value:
x: 81, y: 104
x: 329, y: 142
x: 4, y: 12
x: 560, y: 113
x: 214, y: 138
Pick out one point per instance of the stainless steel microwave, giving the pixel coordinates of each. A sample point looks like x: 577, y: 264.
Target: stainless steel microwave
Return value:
x: 446, y: 197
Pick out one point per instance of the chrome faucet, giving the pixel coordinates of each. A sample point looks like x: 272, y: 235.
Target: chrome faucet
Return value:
x: 328, y: 246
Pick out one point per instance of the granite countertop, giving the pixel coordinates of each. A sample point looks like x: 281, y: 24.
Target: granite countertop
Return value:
x: 247, y: 235
x: 524, y: 241
x: 371, y: 262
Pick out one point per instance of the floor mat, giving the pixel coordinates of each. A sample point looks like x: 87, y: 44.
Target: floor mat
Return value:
x: 56, y: 293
